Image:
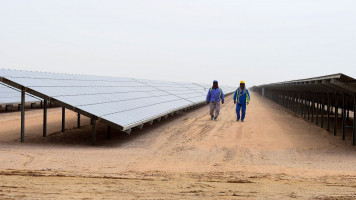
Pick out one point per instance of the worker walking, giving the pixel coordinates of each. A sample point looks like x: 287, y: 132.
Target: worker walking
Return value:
x: 213, y: 98
x: 241, y: 99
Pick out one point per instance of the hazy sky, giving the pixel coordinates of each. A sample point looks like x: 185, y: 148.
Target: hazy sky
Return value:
x: 259, y: 41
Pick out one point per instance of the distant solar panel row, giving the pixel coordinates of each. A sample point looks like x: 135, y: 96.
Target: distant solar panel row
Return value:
x: 125, y: 102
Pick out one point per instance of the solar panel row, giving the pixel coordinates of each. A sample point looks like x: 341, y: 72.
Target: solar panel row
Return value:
x: 10, y: 95
x: 125, y: 102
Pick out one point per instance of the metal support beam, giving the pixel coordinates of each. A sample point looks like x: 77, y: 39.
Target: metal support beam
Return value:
x: 313, y: 108
x: 332, y: 110
x: 23, y: 115
x: 344, y: 117
x: 336, y: 113
x: 78, y: 121
x: 322, y: 110
x: 295, y: 103
x: 348, y: 88
x: 317, y: 112
x: 354, y: 127
x: 128, y: 131
x: 93, y: 137
x: 63, y: 119
x: 45, y: 118
x: 287, y: 100
x: 140, y: 126
x: 303, y: 105
x: 292, y: 101
x: 283, y: 98
x: 299, y: 105
x: 329, y: 105
x: 309, y: 110
x: 331, y: 85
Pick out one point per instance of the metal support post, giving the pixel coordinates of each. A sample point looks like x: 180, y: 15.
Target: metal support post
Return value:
x: 317, y: 111
x: 23, y: 115
x: 63, y: 119
x: 329, y: 105
x: 45, y: 118
x: 344, y: 117
x: 299, y: 105
x: 354, y: 127
x: 313, y: 108
x: 322, y: 110
x: 336, y: 113
x: 309, y: 107
x: 305, y: 106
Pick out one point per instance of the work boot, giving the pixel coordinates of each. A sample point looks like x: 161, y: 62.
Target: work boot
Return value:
x: 215, y: 118
x: 212, y: 117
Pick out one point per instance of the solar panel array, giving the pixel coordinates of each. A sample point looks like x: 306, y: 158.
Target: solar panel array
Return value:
x: 10, y: 95
x: 126, y: 102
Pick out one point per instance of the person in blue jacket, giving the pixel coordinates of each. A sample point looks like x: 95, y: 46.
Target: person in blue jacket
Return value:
x: 241, y: 99
x: 215, y: 94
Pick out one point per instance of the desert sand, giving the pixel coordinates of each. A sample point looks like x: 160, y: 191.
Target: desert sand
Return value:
x: 273, y: 155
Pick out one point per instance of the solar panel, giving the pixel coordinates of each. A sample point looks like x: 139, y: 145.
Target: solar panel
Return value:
x: 125, y: 102
x: 10, y: 95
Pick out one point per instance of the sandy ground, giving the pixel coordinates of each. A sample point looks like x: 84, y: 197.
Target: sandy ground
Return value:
x: 273, y: 155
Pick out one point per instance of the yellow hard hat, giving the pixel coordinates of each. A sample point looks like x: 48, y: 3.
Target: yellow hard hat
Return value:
x: 242, y: 82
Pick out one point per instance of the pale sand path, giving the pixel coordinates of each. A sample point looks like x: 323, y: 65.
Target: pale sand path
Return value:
x: 274, y: 154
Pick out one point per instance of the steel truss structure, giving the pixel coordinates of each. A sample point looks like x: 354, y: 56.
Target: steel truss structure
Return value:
x: 318, y: 99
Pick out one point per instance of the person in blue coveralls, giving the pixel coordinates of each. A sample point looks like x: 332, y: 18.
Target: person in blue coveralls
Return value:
x: 215, y: 94
x: 241, y: 99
